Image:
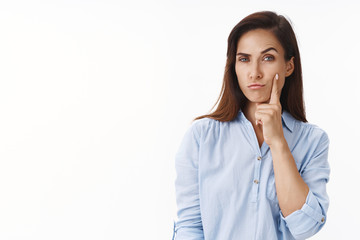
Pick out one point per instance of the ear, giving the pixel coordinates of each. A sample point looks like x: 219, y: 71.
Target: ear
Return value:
x: 290, y: 67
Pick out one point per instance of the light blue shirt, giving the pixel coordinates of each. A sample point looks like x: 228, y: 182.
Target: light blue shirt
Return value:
x: 225, y: 185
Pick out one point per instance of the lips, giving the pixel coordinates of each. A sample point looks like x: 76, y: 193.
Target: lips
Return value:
x: 256, y: 86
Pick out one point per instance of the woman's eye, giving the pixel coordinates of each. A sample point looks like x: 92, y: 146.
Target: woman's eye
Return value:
x: 243, y: 59
x: 268, y: 58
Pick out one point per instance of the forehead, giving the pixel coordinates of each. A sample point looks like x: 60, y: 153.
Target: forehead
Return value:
x: 257, y: 40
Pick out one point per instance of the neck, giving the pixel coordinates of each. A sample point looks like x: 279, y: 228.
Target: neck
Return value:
x: 249, y: 112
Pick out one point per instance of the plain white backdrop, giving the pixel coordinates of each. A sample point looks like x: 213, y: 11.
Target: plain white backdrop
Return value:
x: 95, y: 97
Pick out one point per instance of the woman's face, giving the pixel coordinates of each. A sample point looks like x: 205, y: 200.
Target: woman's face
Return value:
x: 259, y: 57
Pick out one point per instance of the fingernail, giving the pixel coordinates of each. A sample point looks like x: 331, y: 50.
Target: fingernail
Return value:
x: 277, y: 76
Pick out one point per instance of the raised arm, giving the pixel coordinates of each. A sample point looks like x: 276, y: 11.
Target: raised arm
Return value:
x: 302, y: 195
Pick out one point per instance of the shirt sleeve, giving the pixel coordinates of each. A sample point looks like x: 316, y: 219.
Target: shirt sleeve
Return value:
x: 308, y: 220
x: 189, y: 224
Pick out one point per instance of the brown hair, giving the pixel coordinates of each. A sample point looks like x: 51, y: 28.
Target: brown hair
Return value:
x: 231, y: 98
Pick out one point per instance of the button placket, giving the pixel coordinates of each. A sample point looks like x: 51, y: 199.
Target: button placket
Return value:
x: 256, y: 179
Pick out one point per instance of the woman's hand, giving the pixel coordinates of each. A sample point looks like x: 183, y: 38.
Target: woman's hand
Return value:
x: 269, y: 116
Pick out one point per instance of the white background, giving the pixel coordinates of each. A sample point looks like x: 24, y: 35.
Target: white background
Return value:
x: 95, y: 97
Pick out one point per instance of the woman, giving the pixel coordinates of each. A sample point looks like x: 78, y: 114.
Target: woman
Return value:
x: 254, y: 168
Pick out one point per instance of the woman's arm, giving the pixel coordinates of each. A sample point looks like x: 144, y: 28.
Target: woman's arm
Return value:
x: 189, y: 224
x: 302, y: 198
x: 311, y: 216
x: 291, y: 189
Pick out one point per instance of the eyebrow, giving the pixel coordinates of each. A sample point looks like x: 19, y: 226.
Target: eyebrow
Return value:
x: 266, y: 50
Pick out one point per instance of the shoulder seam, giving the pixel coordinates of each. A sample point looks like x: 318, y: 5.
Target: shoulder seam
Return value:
x: 204, y: 127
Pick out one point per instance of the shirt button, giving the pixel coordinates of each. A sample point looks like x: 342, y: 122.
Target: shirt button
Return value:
x: 259, y: 158
x: 256, y: 181
x: 322, y: 220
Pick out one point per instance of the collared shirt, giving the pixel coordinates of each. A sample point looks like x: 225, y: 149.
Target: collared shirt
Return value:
x: 225, y: 184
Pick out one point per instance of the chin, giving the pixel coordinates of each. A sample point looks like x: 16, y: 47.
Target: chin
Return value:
x: 257, y: 100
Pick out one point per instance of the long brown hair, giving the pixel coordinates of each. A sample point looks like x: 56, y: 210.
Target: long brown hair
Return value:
x: 231, y: 98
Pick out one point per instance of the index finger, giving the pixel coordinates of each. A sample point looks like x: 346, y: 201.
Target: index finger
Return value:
x: 275, y: 94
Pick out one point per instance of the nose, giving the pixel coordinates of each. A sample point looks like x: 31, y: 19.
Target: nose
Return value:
x: 255, y: 71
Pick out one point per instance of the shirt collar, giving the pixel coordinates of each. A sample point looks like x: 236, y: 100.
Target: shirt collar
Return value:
x: 287, y: 119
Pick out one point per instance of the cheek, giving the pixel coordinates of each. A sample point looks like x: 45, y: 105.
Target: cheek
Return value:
x: 240, y: 76
x: 237, y: 70
x: 281, y: 69
x: 272, y: 69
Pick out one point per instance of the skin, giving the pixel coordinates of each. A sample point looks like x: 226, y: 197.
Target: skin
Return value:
x: 260, y: 60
